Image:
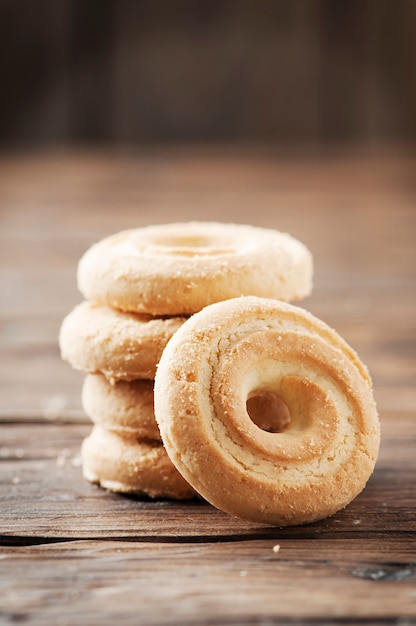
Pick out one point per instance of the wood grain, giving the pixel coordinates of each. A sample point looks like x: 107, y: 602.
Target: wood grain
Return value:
x: 42, y: 479
x: 71, y: 552
x: 243, y: 582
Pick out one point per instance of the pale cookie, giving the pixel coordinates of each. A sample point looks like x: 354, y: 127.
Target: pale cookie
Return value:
x: 128, y: 465
x: 329, y: 429
x: 179, y: 268
x: 122, y: 346
x: 124, y: 407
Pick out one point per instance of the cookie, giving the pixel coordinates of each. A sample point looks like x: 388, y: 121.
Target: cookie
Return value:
x: 121, y: 346
x: 177, y: 269
x: 124, y: 407
x: 127, y: 465
x: 327, y: 438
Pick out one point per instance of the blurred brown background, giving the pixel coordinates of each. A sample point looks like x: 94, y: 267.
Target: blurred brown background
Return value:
x: 305, y: 72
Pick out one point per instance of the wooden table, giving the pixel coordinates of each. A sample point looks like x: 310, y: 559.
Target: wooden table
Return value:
x: 72, y: 553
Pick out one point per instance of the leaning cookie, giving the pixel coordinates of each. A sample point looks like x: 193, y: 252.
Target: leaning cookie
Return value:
x: 127, y: 465
x: 322, y: 448
x: 122, y: 346
x: 125, y: 407
x: 177, y: 269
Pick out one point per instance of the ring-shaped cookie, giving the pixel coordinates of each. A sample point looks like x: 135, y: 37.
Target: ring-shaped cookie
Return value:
x: 128, y: 465
x: 122, y: 346
x: 125, y: 407
x: 177, y: 269
x: 234, y: 350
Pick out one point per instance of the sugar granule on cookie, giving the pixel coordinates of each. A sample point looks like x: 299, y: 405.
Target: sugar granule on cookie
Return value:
x: 319, y: 459
x: 122, y: 346
x: 178, y: 268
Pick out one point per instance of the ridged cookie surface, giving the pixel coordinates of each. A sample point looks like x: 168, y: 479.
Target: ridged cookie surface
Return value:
x: 127, y: 465
x: 122, y: 346
x: 125, y: 407
x: 327, y: 437
x: 176, y: 269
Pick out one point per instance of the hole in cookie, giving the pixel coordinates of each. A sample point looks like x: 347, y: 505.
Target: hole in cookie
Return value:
x: 193, y: 244
x: 268, y: 411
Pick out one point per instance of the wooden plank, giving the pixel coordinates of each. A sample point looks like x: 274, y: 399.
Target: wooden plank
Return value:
x: 216, y: 72
x: 245, y: 582
x: 90, y: 48
x: 35, y: 109
x: 45, y: 496
x: 303, y: 71
x: 355, y: 213
x: 71, y: 552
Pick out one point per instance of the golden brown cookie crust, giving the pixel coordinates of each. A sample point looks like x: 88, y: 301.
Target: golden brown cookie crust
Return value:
x: 231, y: 350
x: 122, y: 346
x: 177, y: 269
x: 125, y: 407
x: 127, y: 465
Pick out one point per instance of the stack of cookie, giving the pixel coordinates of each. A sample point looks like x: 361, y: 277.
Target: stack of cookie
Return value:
x: 118, y: 351
x: 139, y: 287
